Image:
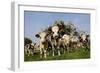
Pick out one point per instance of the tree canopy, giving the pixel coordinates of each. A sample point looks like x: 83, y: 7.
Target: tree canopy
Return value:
x: 27, y: 41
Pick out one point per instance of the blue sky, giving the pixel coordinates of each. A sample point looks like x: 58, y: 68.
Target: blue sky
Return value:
x: 35, y: 22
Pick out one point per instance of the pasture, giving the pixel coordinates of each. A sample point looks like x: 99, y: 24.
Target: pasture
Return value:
x: 79, y: 53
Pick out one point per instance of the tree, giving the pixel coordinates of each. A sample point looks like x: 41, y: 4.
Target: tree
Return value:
x: 27, y: 41
x: 64, y: 28
x: 70, y: 28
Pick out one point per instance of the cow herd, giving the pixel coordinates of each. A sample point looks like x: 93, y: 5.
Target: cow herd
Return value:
x: 58, y: 39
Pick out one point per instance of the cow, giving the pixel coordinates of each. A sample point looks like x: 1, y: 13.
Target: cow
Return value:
x: 36, y: 48
x: 85, y: 40
x: 74, y: 41
x: 88, y: 42
x: 42, y: 44
x: 64, y: 41
x: 48, y: 41
x: 69, y: 42
x: 61, y: 38
x: 29, y: 49
x: 26, y: 49
x: 88, y: 39
x: 55, y: 30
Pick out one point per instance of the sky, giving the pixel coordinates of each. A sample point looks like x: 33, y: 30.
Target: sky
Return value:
x: 35, y: 21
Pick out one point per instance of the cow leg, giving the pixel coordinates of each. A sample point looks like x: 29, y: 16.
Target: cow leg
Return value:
x: 45, y: 55
x: 58, y: 48
x: 63, y: 48
x: 29, y: 52
x: 68, y: 48
x: 59, y: 52
x: 53, y: 49
x: 40, y: 53
x: 53, y: 54
x: 25, y: 51
x: 41, y: 50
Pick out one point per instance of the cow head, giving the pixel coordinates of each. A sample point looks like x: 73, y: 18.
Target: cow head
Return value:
x: 42, y: 36
x: 83, y: 37
x: 55, y: 30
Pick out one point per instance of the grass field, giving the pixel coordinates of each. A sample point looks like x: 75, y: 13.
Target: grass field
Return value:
x: 80, y: 53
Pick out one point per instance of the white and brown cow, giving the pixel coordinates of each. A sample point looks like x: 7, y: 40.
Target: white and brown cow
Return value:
x: 42, y: 44
x: 29, y: 49
x: 55, y: 30
x: 74, y: 41
x: 64, y: 41
x: 26, y: 49
x: 85, y: 39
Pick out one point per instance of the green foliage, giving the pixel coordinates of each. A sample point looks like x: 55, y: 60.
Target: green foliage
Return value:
x: 66, y: 28
x: 27, y: 41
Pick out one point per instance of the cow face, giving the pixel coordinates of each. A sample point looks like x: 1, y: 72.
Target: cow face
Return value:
x: 55, y: 30
x: 83, y: 37
x: 42, y: 36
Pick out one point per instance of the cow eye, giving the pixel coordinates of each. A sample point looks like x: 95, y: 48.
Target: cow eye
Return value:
x: 37, y: 35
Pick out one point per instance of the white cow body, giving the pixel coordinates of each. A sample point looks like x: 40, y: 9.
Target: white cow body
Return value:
x: 74, y: 39
x: 42, y: 47
x: 29, y: 49
x: 66, y: 39
x: 75, y: 42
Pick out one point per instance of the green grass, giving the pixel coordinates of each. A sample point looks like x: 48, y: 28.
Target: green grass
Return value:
x: 80, y: 53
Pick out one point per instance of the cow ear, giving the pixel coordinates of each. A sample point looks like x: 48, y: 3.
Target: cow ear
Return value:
x: 37, y: 35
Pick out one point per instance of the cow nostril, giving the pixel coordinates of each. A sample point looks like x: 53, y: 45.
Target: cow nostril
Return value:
x: 56, y: 37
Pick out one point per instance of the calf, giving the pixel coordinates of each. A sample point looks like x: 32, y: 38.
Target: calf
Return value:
x: 74, y: 41
x: 36, y: 48
x: 29, y: 49
x: 26, y: 49
x: 64, y: 41
x: 42, y: 44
